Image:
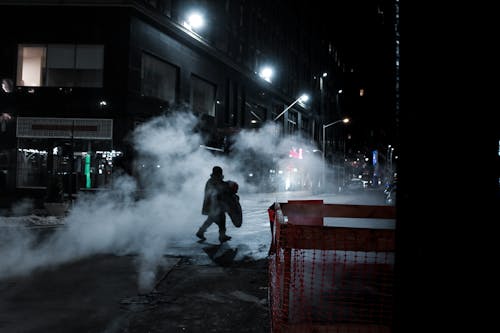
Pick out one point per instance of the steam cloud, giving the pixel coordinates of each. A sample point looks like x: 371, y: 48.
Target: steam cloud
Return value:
x: 173, y: 170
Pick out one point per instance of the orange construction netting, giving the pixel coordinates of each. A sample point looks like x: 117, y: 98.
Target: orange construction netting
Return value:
x: 330, y: 279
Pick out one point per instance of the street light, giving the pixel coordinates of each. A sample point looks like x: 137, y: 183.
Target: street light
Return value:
x: 325, y: 74
x: 321, y: 99
x: 345, y: 121
x: 302, y: 98
x: 266, y: 73
x: 194, y: 21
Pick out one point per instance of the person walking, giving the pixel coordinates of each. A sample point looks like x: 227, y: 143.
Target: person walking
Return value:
x: 213, y: 206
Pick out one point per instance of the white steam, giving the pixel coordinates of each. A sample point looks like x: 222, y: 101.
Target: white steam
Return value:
x: 146, y: 220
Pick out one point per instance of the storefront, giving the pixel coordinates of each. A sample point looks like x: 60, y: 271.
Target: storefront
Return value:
x: 80, y: 150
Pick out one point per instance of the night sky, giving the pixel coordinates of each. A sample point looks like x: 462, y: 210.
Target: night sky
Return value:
x: 363, y: 32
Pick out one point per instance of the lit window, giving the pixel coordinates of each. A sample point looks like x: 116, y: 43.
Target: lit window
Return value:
x: 60, y: 65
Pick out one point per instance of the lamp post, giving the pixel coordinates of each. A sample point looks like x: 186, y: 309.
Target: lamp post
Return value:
x: 390, y: 162
x: 322, y: 96
x: 345, y: 121
x: 302, y: 98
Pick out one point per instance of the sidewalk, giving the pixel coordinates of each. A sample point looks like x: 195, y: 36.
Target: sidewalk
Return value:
x: 220, y: 297
x: 99, y: 294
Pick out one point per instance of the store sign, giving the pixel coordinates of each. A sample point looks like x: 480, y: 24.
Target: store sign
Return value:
x: 71, y: 128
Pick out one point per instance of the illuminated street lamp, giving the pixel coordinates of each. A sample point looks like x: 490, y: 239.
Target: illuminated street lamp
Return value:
x: 302, y: 98
x: 194, y: 21
x: 321, y: 101
x: 266, y: 73
x: 345, y: 121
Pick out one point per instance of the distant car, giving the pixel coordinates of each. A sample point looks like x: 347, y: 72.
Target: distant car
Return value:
x: 355, y: 184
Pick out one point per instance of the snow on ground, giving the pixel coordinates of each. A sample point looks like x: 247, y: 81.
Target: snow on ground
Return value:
x: 32, y: 220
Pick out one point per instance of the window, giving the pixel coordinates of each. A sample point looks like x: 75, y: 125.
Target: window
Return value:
x: 305, y: 125
x: 60, y: 65
x: 276, y: 110
x: 158, y: 79
x: 292, y: 122
x: 202, y: 96
x: 255, y: 114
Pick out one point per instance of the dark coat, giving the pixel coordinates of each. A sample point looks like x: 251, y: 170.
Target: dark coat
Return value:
x: 215, y: 191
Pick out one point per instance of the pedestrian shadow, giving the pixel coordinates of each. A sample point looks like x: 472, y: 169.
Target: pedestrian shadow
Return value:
x: 221, y: 254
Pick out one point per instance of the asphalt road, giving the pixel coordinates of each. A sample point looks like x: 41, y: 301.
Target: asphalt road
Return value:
x: 100, y: 294
x: 82, y: 296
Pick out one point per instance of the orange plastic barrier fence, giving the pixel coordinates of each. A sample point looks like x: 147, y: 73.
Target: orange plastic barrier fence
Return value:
x: 330, y: 279
x: 298, y: 212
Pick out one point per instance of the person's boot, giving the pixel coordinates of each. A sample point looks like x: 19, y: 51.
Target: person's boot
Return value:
x: 200, y: 235
x: 224, y: 238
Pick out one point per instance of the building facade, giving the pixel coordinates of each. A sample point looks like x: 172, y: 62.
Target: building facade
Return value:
x: 79, y: 76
